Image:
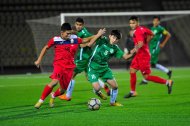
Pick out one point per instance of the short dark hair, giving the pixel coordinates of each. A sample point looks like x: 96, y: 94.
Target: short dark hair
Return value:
x: 65, y: 26
x: 157, y: 17
x: 134, y: 18
x: 79, y: 19
x: 116, y: 33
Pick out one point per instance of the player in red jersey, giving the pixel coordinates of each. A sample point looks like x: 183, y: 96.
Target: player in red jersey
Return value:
x: 65, y: 48
x: 141, y: 60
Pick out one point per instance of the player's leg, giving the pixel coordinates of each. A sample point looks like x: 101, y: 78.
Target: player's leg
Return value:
x: 47, y: 90
x: 104, y: 86
x: 133, y: 80
x: 164, y: 69
x: 69, y: 91
x: 114, y: 92
x: 66, y: 75
x: 93, y: 77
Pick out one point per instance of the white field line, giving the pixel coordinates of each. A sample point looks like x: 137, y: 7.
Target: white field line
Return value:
x: 78, y: 81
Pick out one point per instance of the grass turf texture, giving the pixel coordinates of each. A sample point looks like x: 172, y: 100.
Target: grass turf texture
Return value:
x: 152, y: 107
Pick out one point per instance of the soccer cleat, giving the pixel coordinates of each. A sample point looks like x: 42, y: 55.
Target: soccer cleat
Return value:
x: 64, y: 97
x: 38, y: 105
x: 106, y: 88
x: 143, y: 83
x: 102, y: 96
x: 169, y: 85
x: 51, y: 101
x: 169, y: 74
x: 130, y: 95
x: 116, y: 104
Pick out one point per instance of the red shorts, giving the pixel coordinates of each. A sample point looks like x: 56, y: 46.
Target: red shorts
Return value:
x: 62, y: 74
x: 142, y: 64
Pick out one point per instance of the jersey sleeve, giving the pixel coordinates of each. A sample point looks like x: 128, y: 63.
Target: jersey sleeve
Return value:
x: 149, y: 32
x: 79, y: 40
x: 102, y: 40
x: 119, y: 53
x: 50, y: 42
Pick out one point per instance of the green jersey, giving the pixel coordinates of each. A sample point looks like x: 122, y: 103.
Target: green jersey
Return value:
x: 102, y: 52
x: 158, y: 32
x: 83, y: 53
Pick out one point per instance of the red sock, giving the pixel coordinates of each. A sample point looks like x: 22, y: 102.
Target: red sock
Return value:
x: 133, y: 80
x: 46, y: 92
x: 156, y: 79
x: 57, y: 93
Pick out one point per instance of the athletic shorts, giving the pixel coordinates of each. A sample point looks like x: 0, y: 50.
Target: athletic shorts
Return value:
x: 81, y: 65
x: 94, y: 75
x: 142, y: 64
x: 62, y: 74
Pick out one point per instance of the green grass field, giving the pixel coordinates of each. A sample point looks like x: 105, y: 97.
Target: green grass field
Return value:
x: 152, y: 107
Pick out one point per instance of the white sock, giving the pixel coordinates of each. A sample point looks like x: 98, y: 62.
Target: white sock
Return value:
x: 101, y: 83
x: 40, y: 100
x: 162, y: 68
x: 70, y: 88
x: 145, y: 80
x: 113, y: 95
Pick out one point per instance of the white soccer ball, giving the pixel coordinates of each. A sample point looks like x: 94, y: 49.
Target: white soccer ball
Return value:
x: 94, y: 104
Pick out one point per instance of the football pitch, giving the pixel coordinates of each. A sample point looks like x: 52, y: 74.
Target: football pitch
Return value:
x: 152, y: 107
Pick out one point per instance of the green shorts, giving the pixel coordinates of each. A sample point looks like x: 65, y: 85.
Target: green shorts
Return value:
x: 154, y: 55
x: 81, y: 65
x: 94, y: 75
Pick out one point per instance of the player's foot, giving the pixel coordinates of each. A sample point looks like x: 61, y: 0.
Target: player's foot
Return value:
x: 169, y: 85
x: 64, y: 97
x: 38, y: 105
x: 143, y: 82
x: 116, y: 104
x: 169, y: 74
x: 102, y: 96
x: 106, y: 88
x: 51, y: 101
x: 130, y: 95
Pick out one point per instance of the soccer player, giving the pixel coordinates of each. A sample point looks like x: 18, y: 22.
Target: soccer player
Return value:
x: 98, y: 64
x: 141, y: 60
x: 81, y: 60
x: 155, y: 45
x: 65, y: 47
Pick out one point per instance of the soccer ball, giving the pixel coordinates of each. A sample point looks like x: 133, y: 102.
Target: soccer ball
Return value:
x: 94, y: 104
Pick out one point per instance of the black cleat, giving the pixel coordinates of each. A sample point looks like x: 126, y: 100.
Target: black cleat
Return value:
x: 169, y: 85
x: 169, y: 74
x: 130, y: 95
x: 143, y: 82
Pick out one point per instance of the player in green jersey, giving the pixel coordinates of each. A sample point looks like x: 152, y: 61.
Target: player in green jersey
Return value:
x: 98, y: 64
x: 155, y: 45
x: 81, y: 60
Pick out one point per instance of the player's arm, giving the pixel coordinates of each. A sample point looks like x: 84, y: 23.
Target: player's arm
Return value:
x: 137, y: 47
x: 42, y: 53
x: 150, y: 35
x: 94, y: 38
x: 167, y: 37
x: 127, y: 55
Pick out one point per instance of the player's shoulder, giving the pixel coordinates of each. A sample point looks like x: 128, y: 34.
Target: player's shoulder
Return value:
x: 57, y: 38
x: 73, y: 36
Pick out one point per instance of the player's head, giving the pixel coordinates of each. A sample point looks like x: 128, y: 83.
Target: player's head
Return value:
x: 115, y: 36
x: 79, y: 23
x: 156, y: 21
x: 133, y: 22
x: 66, y: 30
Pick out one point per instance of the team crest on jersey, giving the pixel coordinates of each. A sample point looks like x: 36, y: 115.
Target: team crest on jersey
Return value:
x: 111, y: 51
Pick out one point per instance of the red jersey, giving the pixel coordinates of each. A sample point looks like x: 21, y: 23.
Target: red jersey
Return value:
x: 140, y: 34
x: 65, y: 50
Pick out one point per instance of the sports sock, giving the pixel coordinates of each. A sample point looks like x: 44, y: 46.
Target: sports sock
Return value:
x: 156, y: 79
x: 101, y: 83
x: 114, y: 93
x: 70, y: 88
x: 144, y: 80
x: 57, y: 93
x: 162, y: 68
x: 133, y: 79
x: 47, y: 90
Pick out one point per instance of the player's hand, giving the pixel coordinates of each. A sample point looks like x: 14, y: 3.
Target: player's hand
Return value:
x: 101, y: 32
x: 37, y: 63
x: 161, y: 45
